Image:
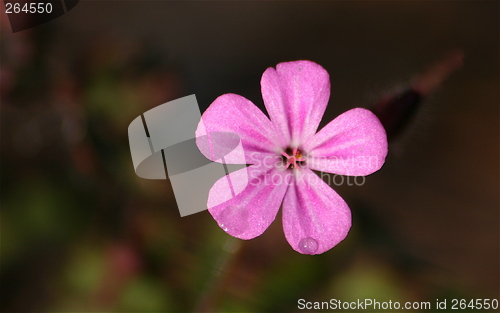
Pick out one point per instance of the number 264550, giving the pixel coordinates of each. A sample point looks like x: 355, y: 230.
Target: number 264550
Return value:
x: 28, y: 8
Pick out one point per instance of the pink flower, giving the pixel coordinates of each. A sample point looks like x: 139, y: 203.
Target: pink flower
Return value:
x: 283, y: 151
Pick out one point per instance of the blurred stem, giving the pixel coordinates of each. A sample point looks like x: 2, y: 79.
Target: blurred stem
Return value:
x: 224, y: 265
x: 433, y: 76
x: 396, y: 111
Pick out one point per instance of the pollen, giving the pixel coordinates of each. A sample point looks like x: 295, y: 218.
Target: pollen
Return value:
x: 293, y: 158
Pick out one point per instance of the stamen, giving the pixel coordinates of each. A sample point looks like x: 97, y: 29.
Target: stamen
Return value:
x: 293, y: 158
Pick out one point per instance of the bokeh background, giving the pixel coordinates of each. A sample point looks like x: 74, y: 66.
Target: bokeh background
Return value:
x: 80, y: 232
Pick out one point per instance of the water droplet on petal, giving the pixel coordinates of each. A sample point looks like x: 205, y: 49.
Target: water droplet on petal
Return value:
x: 308, y: 245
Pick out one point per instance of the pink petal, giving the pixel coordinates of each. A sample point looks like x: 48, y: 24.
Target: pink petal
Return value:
x: 295, y: 95
x: 315, y: 217
x: 231, y: 113
x: 355, y: 143
x: 247, y: 214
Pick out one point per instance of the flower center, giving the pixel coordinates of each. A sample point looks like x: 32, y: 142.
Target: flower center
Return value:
x: 292, y: 158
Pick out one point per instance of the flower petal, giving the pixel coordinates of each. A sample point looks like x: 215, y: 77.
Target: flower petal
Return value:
x: 315, y: 217
x: 354, y: 143
x: 231, y: 113
x: 295, y: 95
x: 247, y: 214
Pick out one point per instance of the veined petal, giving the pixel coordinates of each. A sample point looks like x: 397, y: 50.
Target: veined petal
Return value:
x: 295, y: 95
x: 315, y: 217
x: 354, y: 143
x: 231, y: 113
x: 249, y: 213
